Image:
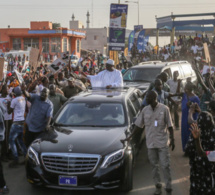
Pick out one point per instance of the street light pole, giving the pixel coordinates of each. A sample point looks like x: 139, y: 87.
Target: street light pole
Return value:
x: 118, y: 1
x: 138, y: 12
x: 138, y: 4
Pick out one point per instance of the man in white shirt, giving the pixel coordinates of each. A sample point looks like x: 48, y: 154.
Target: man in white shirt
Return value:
x: 17, y: 106
x: 148, y: 48
x: 173, y: 84
x: 109, y: 78
x: 194, y: 48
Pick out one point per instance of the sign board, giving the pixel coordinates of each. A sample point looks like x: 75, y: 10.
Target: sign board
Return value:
x: 138, y: 28
x: 65, y: 55
x: 5, y: 69
x: 25, y: 66
x: 19, y: 77
x: 118, y: 15
x: 116, y: 39
x: 207, y: 54
x: 114, y: 56
x: 1, y: 69
x: 118, y: 20
x: 33, y: 59
x: 164, y: 21
x: 208, y: 69
x: 57, y: 65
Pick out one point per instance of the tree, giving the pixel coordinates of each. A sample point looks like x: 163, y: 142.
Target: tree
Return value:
x: 56, y: 25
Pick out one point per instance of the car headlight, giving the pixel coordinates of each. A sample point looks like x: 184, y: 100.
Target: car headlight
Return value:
x: 113, y: 157
x: 33, y: 155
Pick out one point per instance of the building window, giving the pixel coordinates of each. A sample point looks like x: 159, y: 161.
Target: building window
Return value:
x: 45, y: 45
x: 95, y: 37
x: 78, y: 45
x: 17, y: 44
x: 56, y: 44
x: 31, y: 42
x: 64, y: 44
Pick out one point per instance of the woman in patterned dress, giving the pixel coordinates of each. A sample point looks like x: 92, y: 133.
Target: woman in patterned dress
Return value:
x: 202, y: 172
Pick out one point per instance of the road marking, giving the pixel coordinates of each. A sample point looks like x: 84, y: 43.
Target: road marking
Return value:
x: 176, y: 181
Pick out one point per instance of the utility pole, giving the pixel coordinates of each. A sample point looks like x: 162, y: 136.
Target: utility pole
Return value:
x: 118, y: 1
x: 92, y: 13
x: 138, y: 12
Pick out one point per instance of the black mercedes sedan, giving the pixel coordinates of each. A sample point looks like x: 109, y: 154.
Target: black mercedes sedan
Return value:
x: 84, y: 150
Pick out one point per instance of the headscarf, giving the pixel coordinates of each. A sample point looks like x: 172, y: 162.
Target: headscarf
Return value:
x: 207, y: 126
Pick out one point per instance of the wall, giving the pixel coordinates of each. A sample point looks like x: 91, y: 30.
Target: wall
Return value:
x: 76, y: 24
x: 41, y: 25
x: 4, y: 46
x: 89, y: 43
x: 5, y: 32
x: 74, y: 46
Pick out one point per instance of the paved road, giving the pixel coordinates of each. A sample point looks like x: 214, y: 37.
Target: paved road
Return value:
x: 143, y: 183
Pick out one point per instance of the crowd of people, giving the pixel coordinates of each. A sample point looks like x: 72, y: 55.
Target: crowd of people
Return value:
x: 197, y: 103
x: 27, y: 108
x: 184, y: 48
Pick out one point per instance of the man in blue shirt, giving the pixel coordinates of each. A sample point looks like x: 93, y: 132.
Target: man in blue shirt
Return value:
x: 162, y: 95
x: 39, y: 117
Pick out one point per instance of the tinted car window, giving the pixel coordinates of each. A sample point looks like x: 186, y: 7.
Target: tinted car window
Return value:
x: 92, y: 114
x: 141, y: 74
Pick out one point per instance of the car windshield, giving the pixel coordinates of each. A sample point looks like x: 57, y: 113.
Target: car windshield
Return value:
x: 91, y: 114
x: 144, y: 74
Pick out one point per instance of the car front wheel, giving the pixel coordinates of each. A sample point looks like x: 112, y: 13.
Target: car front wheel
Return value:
x: 127, y: 180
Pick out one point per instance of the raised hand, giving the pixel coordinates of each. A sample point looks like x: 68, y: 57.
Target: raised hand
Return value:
x: 195, y: 131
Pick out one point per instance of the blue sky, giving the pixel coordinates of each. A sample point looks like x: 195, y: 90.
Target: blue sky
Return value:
x: 19, y: 13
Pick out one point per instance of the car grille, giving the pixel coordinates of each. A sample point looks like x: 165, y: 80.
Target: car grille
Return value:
x: 64, y: 163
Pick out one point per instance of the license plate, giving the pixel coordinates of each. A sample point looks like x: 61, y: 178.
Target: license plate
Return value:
x: 68, y: 180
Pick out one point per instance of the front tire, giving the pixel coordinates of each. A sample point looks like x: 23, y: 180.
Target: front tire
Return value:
x: 127, y: 180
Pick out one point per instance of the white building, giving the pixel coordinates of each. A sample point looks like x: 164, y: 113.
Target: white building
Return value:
x: 96, y: 38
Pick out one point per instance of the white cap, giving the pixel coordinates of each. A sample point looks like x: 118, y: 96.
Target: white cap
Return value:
x: 111, y: 62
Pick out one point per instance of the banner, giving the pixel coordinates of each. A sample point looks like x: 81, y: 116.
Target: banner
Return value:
x: 140, y: 41
x: 118, y: 15
x: 131, y: 40
x: 118, y: 18
x: 33, y: 59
